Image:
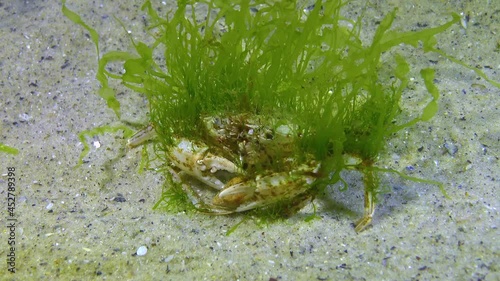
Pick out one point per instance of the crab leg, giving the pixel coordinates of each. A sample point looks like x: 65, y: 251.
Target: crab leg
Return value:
x: 371, y: 183
x: 142, y: 136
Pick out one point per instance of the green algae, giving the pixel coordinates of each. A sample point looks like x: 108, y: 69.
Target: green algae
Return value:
x: 8, y: 149
x: 305, y: 64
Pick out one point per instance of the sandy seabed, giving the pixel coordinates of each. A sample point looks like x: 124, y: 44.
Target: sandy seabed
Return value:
x: 87, y: 222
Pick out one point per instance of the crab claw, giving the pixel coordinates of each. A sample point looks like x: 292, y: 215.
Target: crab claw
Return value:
x: 241, y: 195
x: 196, y: 161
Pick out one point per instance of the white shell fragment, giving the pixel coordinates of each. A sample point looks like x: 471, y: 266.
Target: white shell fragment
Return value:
x: 142, y: 250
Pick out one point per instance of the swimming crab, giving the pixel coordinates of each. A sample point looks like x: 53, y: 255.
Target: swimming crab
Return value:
x: 249, y: 161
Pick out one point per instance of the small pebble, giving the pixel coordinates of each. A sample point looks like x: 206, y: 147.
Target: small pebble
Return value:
x: 169, y: 258
x: 451, y: 148
x: 142, y: 250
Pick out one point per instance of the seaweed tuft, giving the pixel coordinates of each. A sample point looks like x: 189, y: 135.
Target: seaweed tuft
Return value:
x: 274, y: 93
